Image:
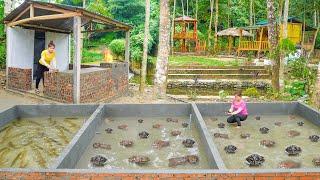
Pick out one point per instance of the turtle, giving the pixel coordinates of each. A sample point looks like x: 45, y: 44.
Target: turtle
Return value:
x: 140, y: 160
x: 267, y: 143
x: 173, y: 162
x: 300, y: 123
x: 221, y: 125
x: 214, y: 119
x: 192, y: 159
x: 220, y: 135
x: 292, y: 117
x: 156, y: 126
x: 175, y: 133
x: 126, y: 143
x: 230, y: 149
x: 316, y: 161
x: 258, y: 118
x: 264, y: 130
x: 314, y: 138
x: 188, y: 143
x: 293, y: 133
x: 108, y: 130
x: 293, y: 150
x: 160, y: 144
x: 101, y: 146
x: 278, y: 123
x: 255, y: 160
x: 289, y: 164
x: 140, y: 120
x: 172, y: 120
x: 98, y: 160
x: 123, y: 126
x: 185, y: 124
x: 245, y: 135
x: 144, y: 135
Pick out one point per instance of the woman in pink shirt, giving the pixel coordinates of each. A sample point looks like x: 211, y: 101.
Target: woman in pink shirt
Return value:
x: 238, y: 110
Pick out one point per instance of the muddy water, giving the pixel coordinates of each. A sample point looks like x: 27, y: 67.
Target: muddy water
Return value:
x: 279, y: 134
x: 35, y: 142
x: 118, y: 155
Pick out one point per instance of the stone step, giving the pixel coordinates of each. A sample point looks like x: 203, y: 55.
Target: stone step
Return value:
x: 218, y: 76
x: 217, y: 71
x: 215, y: 67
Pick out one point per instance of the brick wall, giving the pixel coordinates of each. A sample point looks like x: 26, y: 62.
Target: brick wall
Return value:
x: 94, y: 86
x: 162, y: 176
x: 19, y: 79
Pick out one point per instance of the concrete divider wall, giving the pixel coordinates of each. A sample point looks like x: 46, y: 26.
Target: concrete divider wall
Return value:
x: 309, y: 113
x: 8, y: 115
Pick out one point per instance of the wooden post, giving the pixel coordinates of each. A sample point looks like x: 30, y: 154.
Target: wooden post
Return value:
x: 31, y: 11
x: 127, y: 50
x: 239, y: 42
x: 260, y: 42
x: 76, y: 59
x: 230, y: 44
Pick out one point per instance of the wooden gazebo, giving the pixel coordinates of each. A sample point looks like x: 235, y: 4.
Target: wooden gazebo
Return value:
x: 188, y: 33
x: 31, y: 16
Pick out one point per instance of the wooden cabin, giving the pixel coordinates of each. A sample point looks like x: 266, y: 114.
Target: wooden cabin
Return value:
x: 186, y: 33
x: 260, y: 40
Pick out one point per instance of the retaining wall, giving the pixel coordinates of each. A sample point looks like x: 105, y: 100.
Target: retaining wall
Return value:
x: 19, y: 79
x: 62, y: 168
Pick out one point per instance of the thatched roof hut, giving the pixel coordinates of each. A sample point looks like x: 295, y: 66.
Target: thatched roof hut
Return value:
x: 234, y: 32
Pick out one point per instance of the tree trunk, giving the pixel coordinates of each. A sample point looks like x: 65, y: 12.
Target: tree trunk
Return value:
x: 273, y: 41
x: 145, y: 48
x: 182, y: 6
x: 229, y: 13
x: 280, y: 9
x: 251, y: 13
x: 216, y: 27
x: 210, y: 22
x: 163, y: 50
x: 314, y: 41
x: 285, y: 19
x: 187, y: 7
x: 172, y: 25
x: 197, y: 9
x: 316, y: 96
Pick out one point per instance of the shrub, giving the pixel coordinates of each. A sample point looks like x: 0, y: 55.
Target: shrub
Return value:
x: 223, y: 94
x: 89, y: 56
x: 251, y: 92
x: 117, y: 48
x: 296, y: 88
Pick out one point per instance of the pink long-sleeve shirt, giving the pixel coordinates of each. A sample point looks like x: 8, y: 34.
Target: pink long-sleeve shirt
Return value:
x: 240, y: 105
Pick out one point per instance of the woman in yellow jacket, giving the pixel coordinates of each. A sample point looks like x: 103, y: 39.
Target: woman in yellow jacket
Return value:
x: 46, y: 63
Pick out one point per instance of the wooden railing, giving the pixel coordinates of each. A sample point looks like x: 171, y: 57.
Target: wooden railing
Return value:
x: 253, y: 45
x: 201, y: 46
x: 185, y: 35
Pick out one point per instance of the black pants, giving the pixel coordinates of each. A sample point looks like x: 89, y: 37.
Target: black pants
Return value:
x: 237, y: 118
x: 40, y: 74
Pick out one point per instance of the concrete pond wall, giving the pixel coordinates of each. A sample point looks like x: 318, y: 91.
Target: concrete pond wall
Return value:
x: 63, y: 166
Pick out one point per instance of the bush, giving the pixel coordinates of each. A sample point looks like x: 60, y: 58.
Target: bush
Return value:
x: 117, y: 48
x: 89, y: 56
x: 251, y: 92
x: 296, y: 88
x: 223, y: 94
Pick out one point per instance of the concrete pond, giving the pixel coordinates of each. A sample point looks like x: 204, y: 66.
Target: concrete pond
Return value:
x: 159, y: 138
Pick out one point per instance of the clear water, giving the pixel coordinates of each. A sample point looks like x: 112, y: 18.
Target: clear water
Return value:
x: 118, y: 155
x: 35, y: 142
x: 273, y: 155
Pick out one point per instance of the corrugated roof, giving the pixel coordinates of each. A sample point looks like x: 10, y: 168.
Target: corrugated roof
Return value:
x: 63, y: 24
x: 235, y: 32
x: 290, y: 19
x: 184, y: 18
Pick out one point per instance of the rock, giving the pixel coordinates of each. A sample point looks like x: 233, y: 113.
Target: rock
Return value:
x: 221, y: 125
x: 172, y: 120
x: 175, y: 133
x: 185, y: 125
x: 230, y: 149
x: 160, y: 144
x: 316, y: 161
x: 267, y: 143
x: 101, y: 146
x: 188, y: 143
x: 314, y: 138
x: 126, y: 143
x: 300, y: 123
x: 192, y: 159
x: 245, y: 135
x: 264, y: 130
x: 293, y: 133
x: 156, y: 126
x: 258, y: 118
x: 123, y: 126
x: 140, y: 160
x: 289, y: 164
x: 255, y: 160
x: 109, y: 130
x: 220, y: 135
x: 98, y: 160
x: 143, y: 135
x: 140, y: 120
x: 278, y: 123
x: 293, y: 150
